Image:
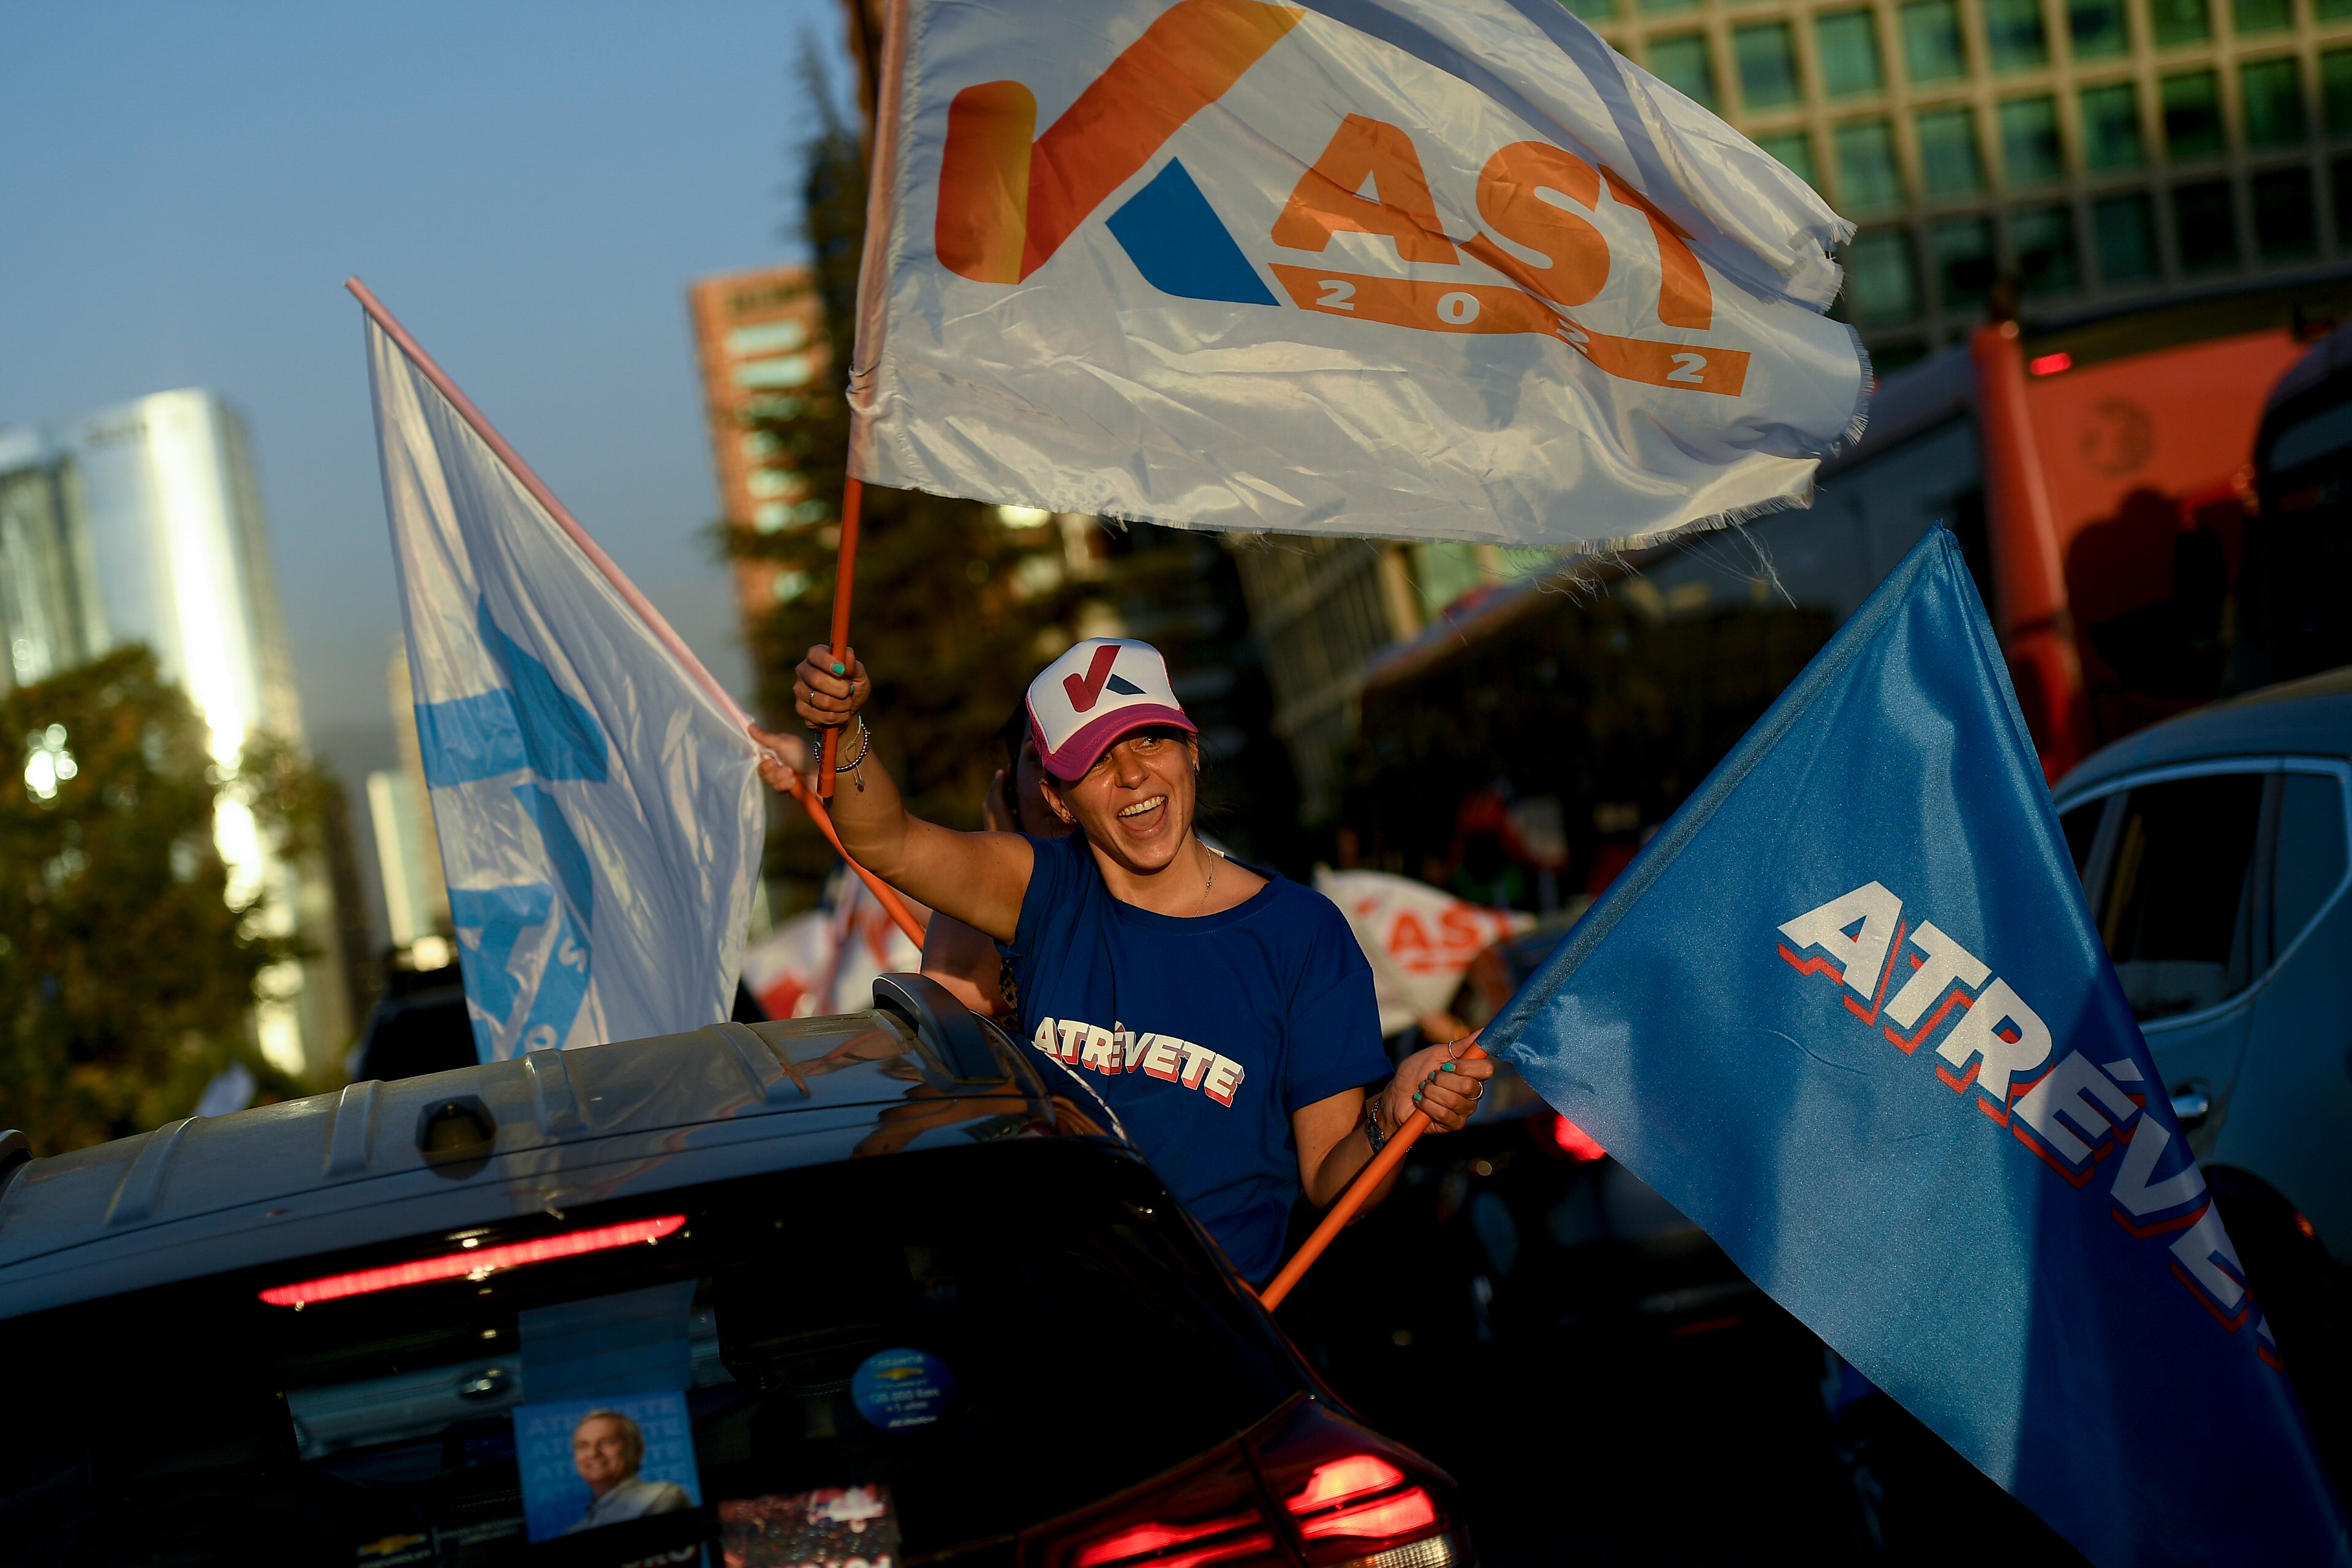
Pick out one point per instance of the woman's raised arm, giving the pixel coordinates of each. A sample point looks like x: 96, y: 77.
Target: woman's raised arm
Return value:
x: 979, y: 878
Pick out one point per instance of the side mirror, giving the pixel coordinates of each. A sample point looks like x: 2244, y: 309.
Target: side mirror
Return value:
x: 941, y: 1022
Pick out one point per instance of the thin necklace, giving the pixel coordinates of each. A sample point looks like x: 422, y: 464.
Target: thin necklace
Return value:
x: 1208, y: 884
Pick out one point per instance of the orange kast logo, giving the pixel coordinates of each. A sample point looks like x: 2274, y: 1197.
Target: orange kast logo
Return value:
x: 1008, y: 198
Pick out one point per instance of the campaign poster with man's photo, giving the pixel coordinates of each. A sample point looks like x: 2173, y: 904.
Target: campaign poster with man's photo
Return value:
x: 589, y: 1463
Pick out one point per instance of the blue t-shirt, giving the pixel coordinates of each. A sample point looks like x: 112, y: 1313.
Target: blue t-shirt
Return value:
x: 1202, y: 1034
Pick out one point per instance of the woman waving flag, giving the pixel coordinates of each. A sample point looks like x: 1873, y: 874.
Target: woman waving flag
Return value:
x: 1228, y: 1013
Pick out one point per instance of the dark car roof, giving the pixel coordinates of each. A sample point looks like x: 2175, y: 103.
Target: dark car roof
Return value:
x: 2310, y: 717
x: 576, y: 1127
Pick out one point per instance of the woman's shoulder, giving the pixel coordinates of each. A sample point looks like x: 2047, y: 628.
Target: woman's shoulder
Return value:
x: 1062, y: 882
x: 1300, y: 899
x: 1060, y: 864
x: 1306, y: 916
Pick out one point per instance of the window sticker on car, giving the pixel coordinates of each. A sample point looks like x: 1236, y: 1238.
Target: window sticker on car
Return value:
x: 630, y: 1341
x: 897, y: 1388
x: 837, y: 1527
x: 589, y: 1463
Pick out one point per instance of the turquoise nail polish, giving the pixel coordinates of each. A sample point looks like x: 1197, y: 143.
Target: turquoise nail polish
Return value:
x: 1447, y: 1068
x: 1416, y: 1100
x: 839, y: 669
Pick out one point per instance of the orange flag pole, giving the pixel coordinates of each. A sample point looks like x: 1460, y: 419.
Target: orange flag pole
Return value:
x: 891, y: 904
x: 853, y: 501
x: 1359, y: 1192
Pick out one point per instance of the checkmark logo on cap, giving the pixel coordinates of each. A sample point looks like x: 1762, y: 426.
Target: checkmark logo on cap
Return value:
x: 1087, y: 690
x: 1097, y: 692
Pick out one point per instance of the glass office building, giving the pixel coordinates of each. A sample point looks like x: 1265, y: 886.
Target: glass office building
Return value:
x: 2103, y: 152
x: 142, y: 524
x: 2100, y: 149
x: 181, y: 555
x: 50, y: 619
x: 407, y: 847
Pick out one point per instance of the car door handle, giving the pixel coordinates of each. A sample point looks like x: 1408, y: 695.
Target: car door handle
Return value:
x: 2192, y: 1102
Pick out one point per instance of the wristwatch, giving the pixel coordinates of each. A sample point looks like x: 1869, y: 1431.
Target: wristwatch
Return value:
x: 1372, y: 1133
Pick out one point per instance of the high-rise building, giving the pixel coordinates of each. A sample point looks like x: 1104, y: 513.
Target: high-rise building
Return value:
x: 180, y: 556
x: 407, y: 847
x: 2101, y: 151
x: 760, y: 339
x: 1321, y: 607
x: 50, y: 617
x: 143, y: 523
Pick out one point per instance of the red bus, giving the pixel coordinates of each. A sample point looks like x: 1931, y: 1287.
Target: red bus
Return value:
x: 2099, y: 471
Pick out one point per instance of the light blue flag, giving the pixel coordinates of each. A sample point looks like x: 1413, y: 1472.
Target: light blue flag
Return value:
x: 1848, y: 1012
x: 599, y: 814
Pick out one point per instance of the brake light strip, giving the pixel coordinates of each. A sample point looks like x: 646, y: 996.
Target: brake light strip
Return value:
x: 475, y: 1261
x: 1402, y: 1515
x: 1209, y: 1540
x: 1344, y: 1478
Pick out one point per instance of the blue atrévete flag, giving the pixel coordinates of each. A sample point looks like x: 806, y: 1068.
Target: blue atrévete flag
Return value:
x: 1849, y: 1013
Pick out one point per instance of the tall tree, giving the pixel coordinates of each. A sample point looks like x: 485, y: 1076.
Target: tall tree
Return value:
x: 126, y: 977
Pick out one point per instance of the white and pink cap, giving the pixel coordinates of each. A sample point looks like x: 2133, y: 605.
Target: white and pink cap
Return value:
x: 1102, y: 689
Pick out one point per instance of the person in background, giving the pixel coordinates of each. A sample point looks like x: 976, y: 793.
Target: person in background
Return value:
x: 974, y: 970
x: 1228, y: 1013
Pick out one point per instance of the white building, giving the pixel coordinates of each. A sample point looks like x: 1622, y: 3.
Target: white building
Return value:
x: 142, y: 524
x: 407, y: 847
x: 50, y: 617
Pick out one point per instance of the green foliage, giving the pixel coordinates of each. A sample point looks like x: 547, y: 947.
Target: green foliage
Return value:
x: 126, y: 981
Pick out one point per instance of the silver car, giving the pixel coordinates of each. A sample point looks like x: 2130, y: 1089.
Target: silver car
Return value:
x: 2212, y: 849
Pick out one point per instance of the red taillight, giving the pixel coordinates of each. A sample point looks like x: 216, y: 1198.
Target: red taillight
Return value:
x: 1243, y: 1538
x: 1574, y: 1141
x: 1307, y: 1482
x: 1208, y: 1516
x: 1354, y: 1496
x: 1408, y: 1513
x: 2051, y: 364
x: 1344, y: 1478
x: 474, y: 1261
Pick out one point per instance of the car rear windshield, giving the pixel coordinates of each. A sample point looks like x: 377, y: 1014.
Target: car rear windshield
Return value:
x: 941, y: 1347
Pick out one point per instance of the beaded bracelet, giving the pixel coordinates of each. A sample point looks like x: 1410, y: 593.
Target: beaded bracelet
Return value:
x: 864, y: 744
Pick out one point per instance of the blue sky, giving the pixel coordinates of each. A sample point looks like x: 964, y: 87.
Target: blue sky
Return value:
x: 530, y: 188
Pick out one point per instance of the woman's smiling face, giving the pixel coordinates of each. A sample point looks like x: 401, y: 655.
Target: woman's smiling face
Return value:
x: 1136, y: 803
